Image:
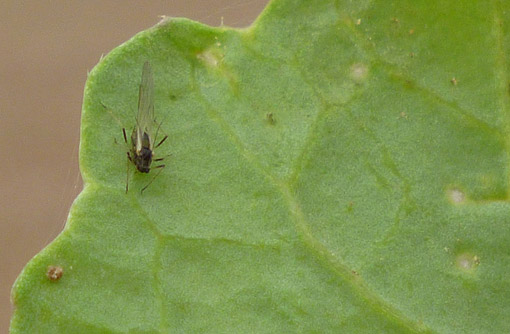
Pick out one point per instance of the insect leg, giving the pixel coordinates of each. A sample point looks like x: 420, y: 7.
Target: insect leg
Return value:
x: 161, y: 142
x: 161, y: 159
x: 157, y: 131
x: 155, y: 176
x: 125, y: 137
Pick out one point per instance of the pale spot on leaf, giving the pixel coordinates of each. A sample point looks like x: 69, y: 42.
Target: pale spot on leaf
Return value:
x: 456, y: 196
x: 359, y: 72
x: 467, y: 261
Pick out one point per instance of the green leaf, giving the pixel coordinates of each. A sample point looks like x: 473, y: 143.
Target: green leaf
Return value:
x: 338, y: 167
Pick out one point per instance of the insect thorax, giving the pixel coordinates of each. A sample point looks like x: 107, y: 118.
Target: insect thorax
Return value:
x: 142, y: 157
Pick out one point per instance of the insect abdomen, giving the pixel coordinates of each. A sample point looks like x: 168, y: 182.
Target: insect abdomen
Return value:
x: 143, y: 160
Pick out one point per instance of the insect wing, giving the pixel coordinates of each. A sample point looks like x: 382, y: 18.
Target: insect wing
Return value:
x: 145, y: 117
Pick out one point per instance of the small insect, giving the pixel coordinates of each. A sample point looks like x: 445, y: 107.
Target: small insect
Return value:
x: 270, y: 118
x: 54, y: 273
x: 142, y: 148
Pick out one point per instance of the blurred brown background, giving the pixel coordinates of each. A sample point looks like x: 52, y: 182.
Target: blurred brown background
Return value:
x: 46, y: 49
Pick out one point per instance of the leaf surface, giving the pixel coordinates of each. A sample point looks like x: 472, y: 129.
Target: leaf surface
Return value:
x: 338, y: 167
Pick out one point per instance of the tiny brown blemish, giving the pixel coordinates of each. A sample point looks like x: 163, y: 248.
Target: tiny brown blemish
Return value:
x: 54, y: 273
x: 409, y: 84
x: 454, y: 81
x: 411, y: 31
x: 350, y: 206
x: 270, y: 118
x: 394, y: 20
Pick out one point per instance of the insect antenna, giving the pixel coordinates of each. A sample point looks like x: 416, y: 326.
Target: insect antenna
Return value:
x: 128, y: 162
x: 161, y: 142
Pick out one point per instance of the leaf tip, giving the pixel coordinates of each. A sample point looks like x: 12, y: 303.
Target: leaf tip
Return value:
x: 164, y: 20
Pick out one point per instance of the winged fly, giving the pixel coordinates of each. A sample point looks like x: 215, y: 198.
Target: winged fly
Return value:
x: 141, y: 153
